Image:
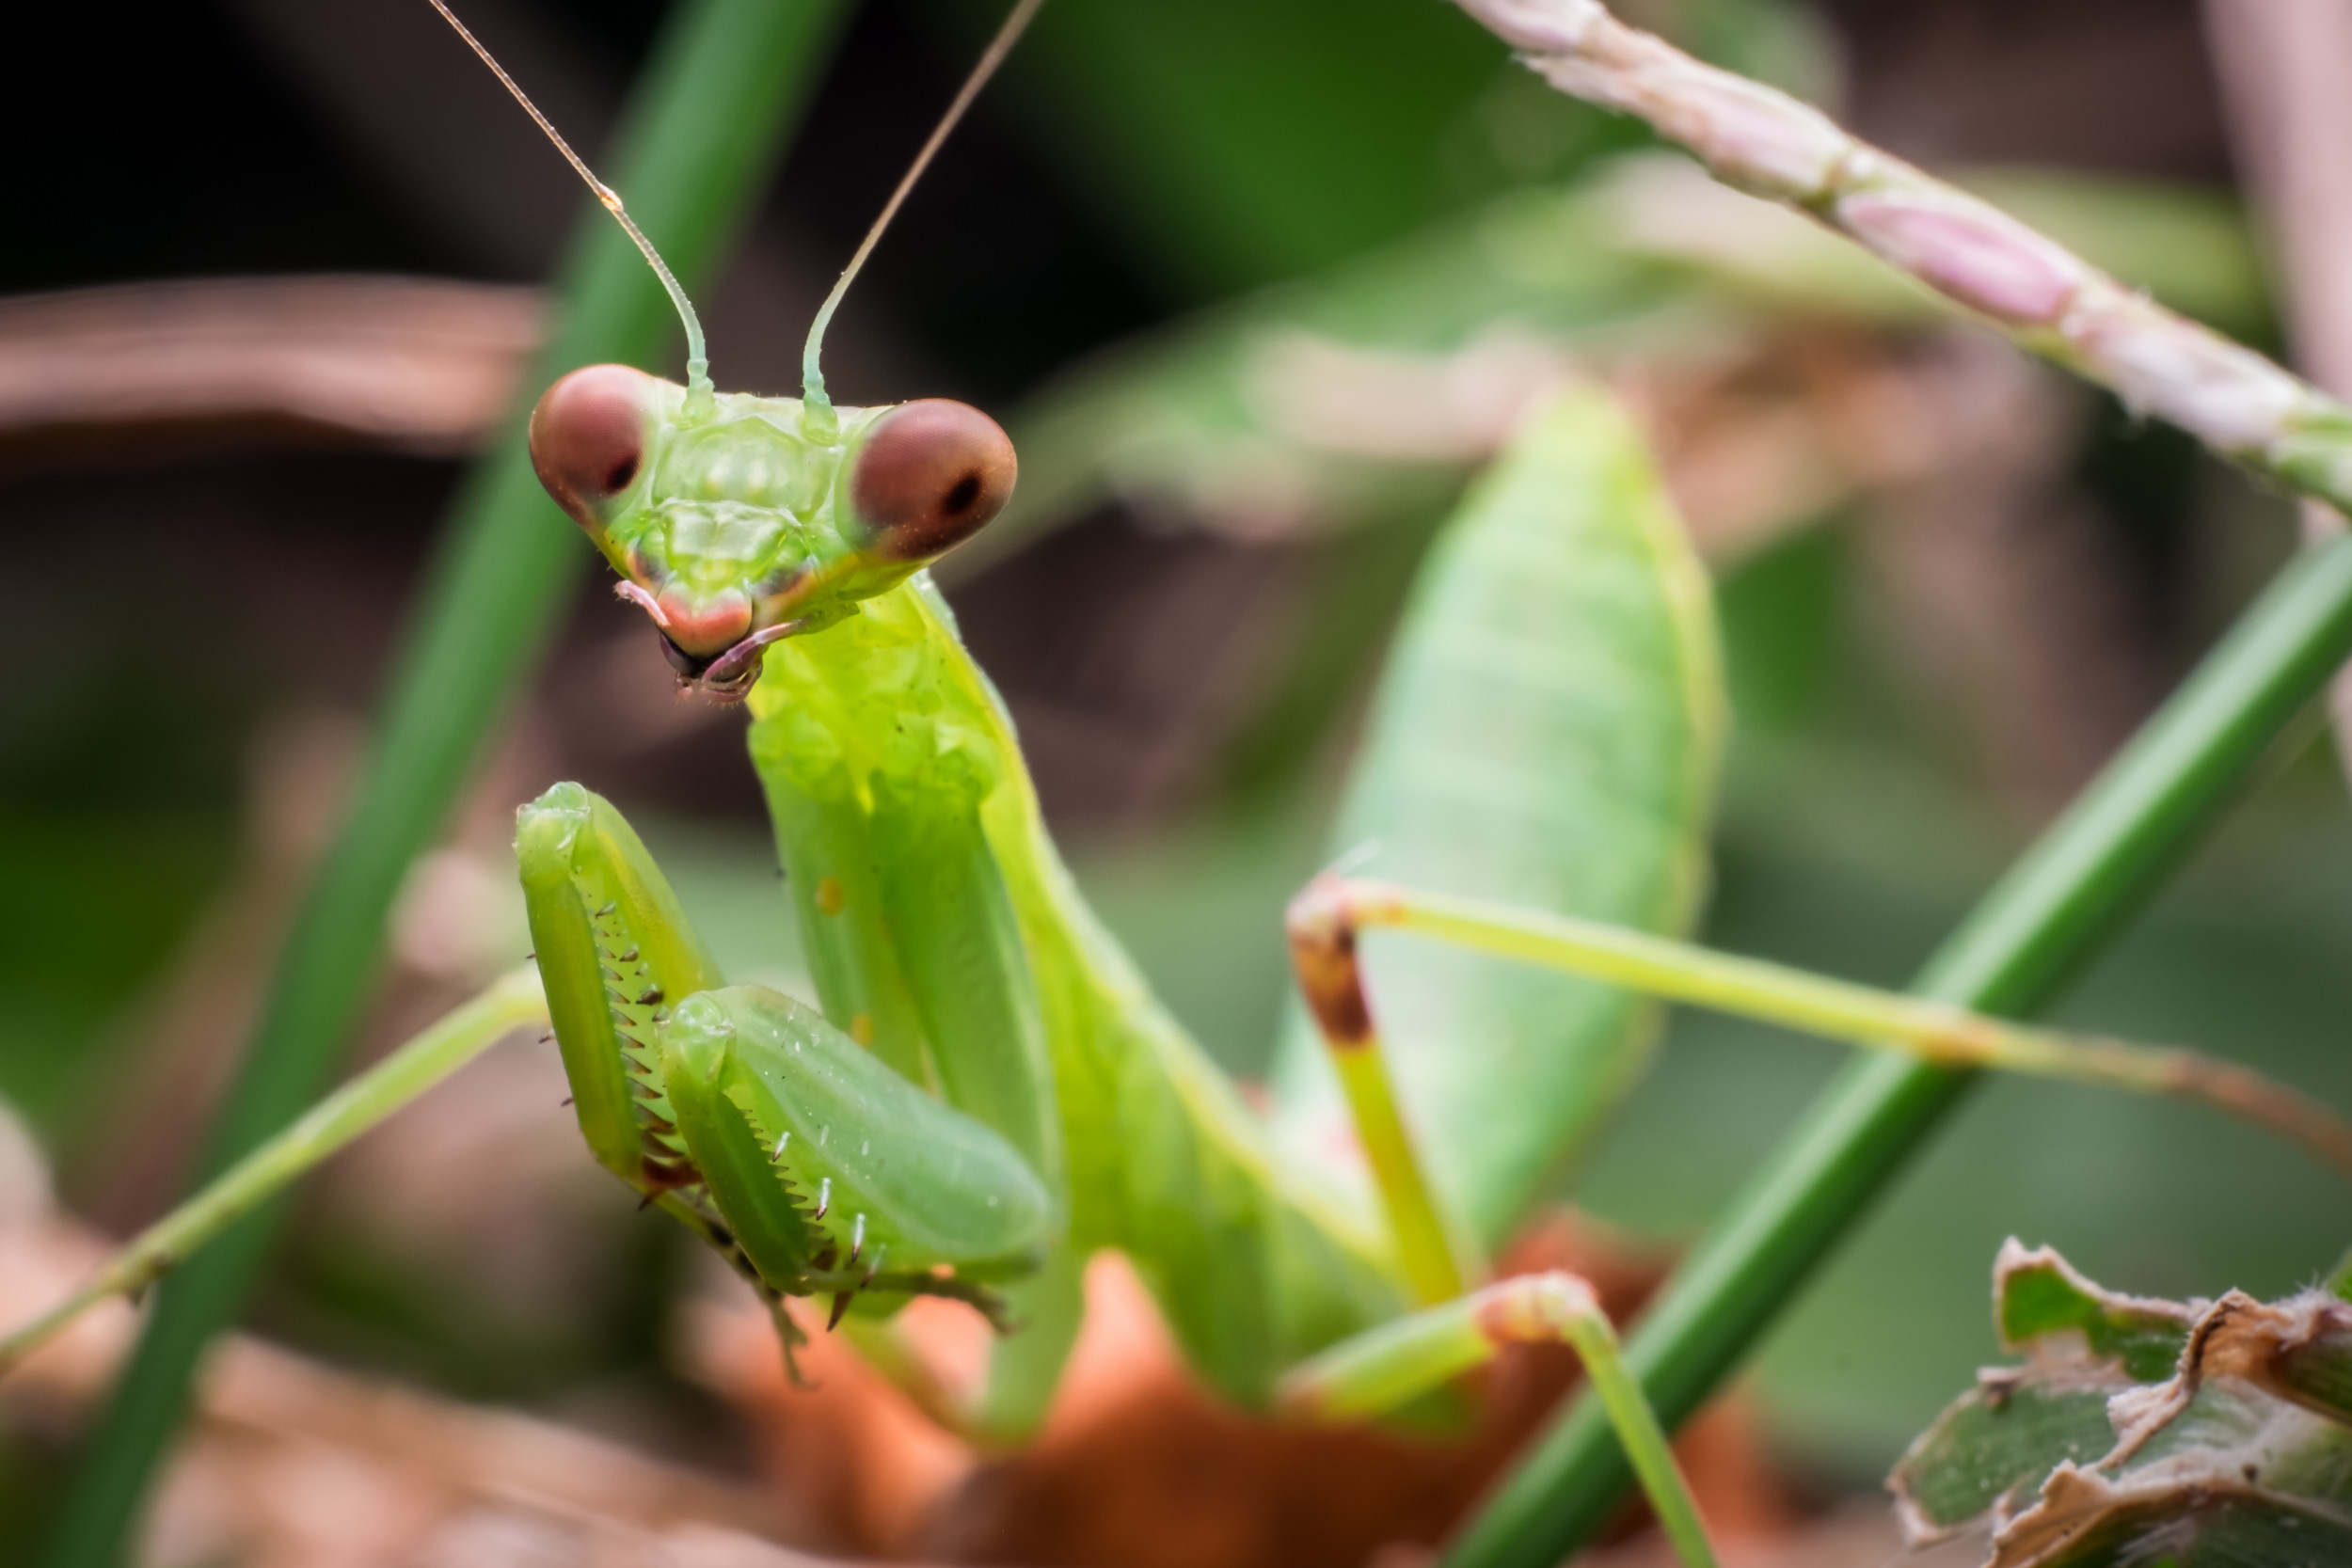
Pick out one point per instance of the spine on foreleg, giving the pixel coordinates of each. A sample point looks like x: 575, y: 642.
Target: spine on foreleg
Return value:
x: 615, y: 950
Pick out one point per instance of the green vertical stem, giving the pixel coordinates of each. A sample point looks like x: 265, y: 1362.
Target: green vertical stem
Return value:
x: 2071, y: 893
x: 704, y: 130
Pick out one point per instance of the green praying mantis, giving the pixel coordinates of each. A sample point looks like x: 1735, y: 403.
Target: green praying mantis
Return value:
x: 985, y: 1092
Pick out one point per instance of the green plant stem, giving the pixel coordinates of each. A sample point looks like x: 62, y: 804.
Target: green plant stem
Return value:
x: 704, y: 129
x: 2055, y: 910
x: 457, y: 1038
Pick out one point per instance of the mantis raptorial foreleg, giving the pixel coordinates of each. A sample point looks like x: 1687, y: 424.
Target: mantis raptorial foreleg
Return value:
x: 805, y: 1158
x: 840, y: 1150
x: 960, y: 945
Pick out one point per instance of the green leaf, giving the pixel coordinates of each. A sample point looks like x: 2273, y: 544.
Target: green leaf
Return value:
x: 2038, y: 1294
x: 1997, y: 1444
x: 1546, y: 734
x: 2205, y: 1530
x: 1228, y: 413
x: 2222, y: 1457
x: 1231, y: 142
x: 2317, y: 1373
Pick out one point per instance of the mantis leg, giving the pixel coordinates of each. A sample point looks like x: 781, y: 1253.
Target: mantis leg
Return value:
x: 1431, y: 1253
x: 511, y: 1003
x: 1385, y: 1369
x: 1388, y: 1366
x: 826, y: 846
x: 960, y: 947
x: 1325, y: 919
x: 806, y: 1159
x: 1046, y: 1311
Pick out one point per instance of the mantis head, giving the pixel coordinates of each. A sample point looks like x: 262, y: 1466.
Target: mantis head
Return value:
x: 735, y: 520
x: 748, y: 519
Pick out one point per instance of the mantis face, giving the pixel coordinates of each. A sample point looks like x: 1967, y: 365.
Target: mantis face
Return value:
x: 749, y: 519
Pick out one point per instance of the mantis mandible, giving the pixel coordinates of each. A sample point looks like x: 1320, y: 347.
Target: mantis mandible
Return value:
x: 986, y: 1093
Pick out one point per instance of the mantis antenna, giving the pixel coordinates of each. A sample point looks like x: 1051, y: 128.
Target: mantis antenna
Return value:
x: 818, y: 405
x: 698, y: 388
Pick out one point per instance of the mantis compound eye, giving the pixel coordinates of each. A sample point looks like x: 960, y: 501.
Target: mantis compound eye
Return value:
x: 928, y: 475
x: 588, y: 436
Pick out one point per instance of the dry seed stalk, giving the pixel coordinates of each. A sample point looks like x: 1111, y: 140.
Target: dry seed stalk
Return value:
x: 2040, y: 295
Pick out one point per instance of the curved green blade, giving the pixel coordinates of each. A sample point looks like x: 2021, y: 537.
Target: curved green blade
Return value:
x: 1547, y: 734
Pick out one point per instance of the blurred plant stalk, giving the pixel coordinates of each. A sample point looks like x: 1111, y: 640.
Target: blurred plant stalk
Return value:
x: 2281, y: 64
x: 2040, y: 295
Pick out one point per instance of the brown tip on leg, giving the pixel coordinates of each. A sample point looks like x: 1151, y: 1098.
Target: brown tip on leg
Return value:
x: 1322, y: 952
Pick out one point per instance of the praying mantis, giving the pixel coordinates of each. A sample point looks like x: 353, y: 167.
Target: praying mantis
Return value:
x: 986, y: 1093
